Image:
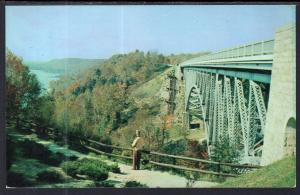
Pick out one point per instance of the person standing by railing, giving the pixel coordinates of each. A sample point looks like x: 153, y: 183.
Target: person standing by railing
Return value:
x: 137, y: 145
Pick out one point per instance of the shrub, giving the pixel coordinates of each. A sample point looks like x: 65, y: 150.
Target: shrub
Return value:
x: 78, y: 147
x: 115, y: 168
x: 38, y: 151
x: 56, y: 158
x: 105, y: 184
x: 93, y: 171
x: 177, y: 147
x: 17, y: 180
x: 10, y: 154
x: 50, y: 175
x: 70, y: 167
x: 96, y: 162
x: 191, y: 178
x: 132, y: 184
x: 196, y: 150
x: 93, y: 168
x: 35, y: 150
x: 73, y: 158
x: 106, y: 140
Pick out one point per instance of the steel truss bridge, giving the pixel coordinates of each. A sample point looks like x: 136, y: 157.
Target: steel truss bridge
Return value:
x: 227, y: 93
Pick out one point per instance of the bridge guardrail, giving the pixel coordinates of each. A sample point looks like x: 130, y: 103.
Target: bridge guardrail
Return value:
x: 257, y: 48
x: 151, y: 153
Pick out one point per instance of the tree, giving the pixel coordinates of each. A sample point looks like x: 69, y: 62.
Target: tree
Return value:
x: 22, y: 89
x: 153, y: 136
x: 223, y: 151
x: 45, y: 111
x: 89, y: 109
x: 166, y: 124
x: 98, y: 73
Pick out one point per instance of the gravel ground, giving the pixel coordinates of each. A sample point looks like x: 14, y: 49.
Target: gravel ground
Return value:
x: 155, y: 179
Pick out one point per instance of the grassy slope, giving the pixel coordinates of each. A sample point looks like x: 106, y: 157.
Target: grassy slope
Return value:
x: 279, y: 174
x: 150, y: 88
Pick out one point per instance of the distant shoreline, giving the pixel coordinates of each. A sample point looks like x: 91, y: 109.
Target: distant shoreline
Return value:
x: 47, y: 71
x: 45, y: 77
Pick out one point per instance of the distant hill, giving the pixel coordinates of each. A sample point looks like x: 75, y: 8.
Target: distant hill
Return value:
x: 65, y: 65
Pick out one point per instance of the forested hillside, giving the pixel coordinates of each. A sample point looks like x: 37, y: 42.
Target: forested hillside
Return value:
x: 98, y: 102
x: 108, y: 101
x: 103, y: 101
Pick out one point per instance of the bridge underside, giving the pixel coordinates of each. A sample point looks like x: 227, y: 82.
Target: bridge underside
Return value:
x: 229, y: 105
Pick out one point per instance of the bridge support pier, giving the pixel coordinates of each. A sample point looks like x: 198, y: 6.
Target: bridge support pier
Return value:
x: 282, y: 100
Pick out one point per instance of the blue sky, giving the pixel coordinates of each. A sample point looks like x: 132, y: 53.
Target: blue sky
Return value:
x: 39, y: 33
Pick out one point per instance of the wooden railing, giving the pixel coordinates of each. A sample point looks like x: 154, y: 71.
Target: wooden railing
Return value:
x: 86, y: 143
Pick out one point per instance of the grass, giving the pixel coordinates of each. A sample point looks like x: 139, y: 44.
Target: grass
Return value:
x: 150, y: 88
x: 53, y: 147
x: 53, y: 175
x: 191, y: 134
x: 279, y: 174
x: 28, y: 169
x: 62, y: 149
x: 196, y: 134
x: 71, y: 184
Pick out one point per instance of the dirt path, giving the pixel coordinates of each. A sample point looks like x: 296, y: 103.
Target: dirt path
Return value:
x: 155, y: 179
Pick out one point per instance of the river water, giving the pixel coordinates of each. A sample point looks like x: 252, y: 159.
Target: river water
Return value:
x: 45, y: 77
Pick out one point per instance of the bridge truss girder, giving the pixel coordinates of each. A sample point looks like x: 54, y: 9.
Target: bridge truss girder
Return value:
x: 220, y: 102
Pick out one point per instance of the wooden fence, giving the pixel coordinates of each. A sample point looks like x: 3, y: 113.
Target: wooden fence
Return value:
x: 86, y: 143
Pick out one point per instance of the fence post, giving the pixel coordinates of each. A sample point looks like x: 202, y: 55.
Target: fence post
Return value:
x: 174, y: 161
x: 218, y: 168
x: 139, y: 158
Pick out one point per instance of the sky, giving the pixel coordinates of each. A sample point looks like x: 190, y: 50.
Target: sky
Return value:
x: 41, y: 33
